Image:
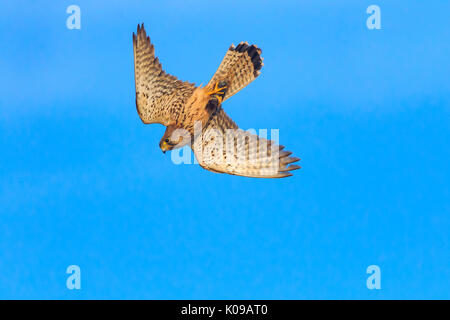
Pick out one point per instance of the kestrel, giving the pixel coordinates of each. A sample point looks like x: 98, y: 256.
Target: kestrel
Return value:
x: 194, y: 115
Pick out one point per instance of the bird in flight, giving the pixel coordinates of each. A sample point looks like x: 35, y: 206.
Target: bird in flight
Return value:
x: 194, y: 115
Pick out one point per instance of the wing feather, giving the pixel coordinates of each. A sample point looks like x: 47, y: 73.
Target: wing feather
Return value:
x: 223, y: 147
x: 159, y: 96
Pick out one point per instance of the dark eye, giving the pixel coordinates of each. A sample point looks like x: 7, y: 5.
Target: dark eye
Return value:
x: 167, y: 140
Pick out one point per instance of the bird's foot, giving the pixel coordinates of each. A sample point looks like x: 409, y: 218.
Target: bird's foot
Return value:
x: 218, y: 91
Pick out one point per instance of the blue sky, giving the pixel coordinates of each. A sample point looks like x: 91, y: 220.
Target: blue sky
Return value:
x: 82, y: 180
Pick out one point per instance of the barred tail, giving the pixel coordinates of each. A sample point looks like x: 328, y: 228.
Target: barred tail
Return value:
x: 240, y: 66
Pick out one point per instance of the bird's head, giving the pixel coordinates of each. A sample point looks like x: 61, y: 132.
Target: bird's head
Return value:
x: 166, y: 145
x: 173, y: 138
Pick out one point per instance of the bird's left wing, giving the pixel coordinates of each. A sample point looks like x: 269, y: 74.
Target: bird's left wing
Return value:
x: 159, y: 96
x: 224, y: 148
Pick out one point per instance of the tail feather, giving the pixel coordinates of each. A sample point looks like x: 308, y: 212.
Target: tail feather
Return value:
x: 240, y: 66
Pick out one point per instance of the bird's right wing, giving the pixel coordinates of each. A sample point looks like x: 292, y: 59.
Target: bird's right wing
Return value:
x: 224, y: 148
x: 159, y: 95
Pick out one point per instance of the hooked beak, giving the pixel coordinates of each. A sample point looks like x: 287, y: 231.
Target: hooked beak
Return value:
x: 164, y: 146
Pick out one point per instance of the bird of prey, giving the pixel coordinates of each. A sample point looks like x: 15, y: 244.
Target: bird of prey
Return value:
x: 195, y: 111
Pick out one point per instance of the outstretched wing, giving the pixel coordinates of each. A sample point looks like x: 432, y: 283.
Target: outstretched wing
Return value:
x: 159, y: 96
x: 224, y: 148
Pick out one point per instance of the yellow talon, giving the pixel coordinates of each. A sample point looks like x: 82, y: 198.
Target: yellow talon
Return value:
x: 217, y: 90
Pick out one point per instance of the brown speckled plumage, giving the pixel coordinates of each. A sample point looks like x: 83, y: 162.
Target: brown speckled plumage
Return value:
x: 162, y: 98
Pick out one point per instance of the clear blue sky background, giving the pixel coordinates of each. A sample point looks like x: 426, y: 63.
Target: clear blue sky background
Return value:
x: 82, y: 180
